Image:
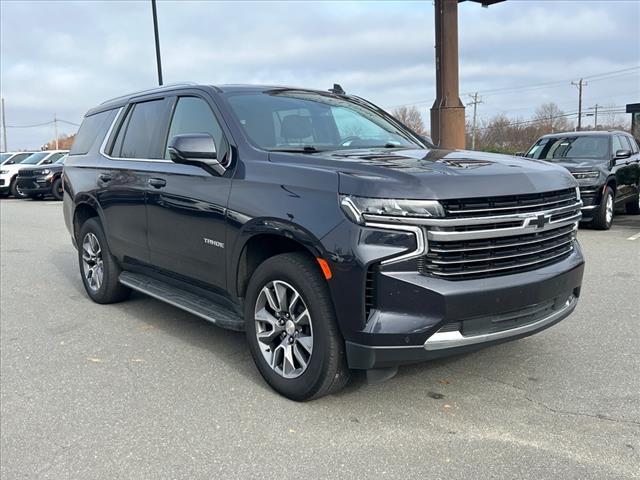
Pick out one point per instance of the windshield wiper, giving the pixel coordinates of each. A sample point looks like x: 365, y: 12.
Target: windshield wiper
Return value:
x: 304, y: 149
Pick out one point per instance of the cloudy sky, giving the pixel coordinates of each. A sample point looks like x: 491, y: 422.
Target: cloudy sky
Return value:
x: 65, y: 57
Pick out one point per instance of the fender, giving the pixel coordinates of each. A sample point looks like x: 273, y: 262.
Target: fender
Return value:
x: 271, y: 226
x: 79, y: 200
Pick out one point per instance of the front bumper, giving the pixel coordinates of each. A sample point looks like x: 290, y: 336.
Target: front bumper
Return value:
x: 34, y: 185
x: 426, y: 318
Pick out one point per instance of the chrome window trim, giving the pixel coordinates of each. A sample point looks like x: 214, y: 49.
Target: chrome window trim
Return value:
x: 103, y: 147
x: 442, y: 340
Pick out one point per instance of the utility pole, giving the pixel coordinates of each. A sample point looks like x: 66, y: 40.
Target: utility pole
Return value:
x: 475, y: 102
x: 55, y: 129
x: 595, y: 117
x: 155, y: 32
x: 581, y: 83
x: 4, y: 128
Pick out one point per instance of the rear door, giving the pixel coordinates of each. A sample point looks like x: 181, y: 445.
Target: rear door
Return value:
x: 624, y: 170
x: 134, y: 154
x: 186, y: 205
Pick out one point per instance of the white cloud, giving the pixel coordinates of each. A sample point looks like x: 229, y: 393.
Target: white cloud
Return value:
x: 76, y: 54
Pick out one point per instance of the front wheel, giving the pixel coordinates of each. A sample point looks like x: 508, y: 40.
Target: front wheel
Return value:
x: 291, y: 328
x: 98, y: 268
x: 15, y: 191
x: 603, y: 217
x: 56, y: 189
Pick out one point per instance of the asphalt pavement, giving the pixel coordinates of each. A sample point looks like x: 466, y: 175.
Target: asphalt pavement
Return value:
x: 142, y: 390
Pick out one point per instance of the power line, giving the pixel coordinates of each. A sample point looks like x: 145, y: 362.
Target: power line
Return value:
x: 490, y: 92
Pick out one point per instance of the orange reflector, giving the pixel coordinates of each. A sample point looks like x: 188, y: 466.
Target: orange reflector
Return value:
x: 325, y: 268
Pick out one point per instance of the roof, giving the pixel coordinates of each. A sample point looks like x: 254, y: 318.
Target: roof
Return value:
x: 123, y: 99
x: 583, y: 133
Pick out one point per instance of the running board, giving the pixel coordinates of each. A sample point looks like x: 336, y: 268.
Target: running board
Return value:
x: 187, y: 301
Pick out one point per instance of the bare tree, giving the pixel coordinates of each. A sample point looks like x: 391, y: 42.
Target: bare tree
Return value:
x: 550, y: 118
x: 411, y: 117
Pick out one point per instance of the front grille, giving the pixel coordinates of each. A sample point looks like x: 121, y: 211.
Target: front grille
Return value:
x: 482, y: 238
x: 489, y: 206
x: 26, y: 173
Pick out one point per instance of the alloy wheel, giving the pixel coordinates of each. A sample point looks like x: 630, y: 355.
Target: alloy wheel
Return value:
x: 92, y: 264
x: 283, y: 329
x: 609, y: 209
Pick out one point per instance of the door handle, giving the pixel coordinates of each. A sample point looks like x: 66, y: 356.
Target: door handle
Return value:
x: 105, y: 177
x: 157, y: 182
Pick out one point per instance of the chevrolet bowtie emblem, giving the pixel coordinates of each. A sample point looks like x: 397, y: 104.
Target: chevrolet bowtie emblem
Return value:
x: 540, y: 221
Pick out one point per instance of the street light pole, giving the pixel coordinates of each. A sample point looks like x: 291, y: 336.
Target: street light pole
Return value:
x: 4, y: 128
x: 155, y: 32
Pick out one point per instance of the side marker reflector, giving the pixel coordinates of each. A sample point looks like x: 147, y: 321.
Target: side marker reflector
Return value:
x: 325, y: 268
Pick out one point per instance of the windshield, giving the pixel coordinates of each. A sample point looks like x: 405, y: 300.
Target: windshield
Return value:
x: 35, y: 158
x: 560, y: 148
x: 61, y: 160
x: 4, y: 156
x: 291, y: 120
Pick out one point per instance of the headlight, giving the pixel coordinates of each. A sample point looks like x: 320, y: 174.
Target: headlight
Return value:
x: 46, y: 171
x: 2, y: 172
x: 355, y: 208
x: 585, y: 175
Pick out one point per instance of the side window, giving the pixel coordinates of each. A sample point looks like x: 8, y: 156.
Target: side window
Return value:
x: 89, y: 130
x: 617, y: 145
x: 193, y: 115
x: 626, y: 144
x: 634, y: 144
x: 55, y: 157
x: 141, y: 133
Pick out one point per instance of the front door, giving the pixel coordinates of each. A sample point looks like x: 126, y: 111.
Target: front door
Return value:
x: 186, y: 205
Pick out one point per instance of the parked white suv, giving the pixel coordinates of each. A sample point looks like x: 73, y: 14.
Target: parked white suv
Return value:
x: 9, y: 170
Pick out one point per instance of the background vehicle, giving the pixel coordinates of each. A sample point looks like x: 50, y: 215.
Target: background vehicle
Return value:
x: 36, y: 182
x: 314, y: 221
x: 606, y: 165
x: 9, y: 172
x: 9, y: 158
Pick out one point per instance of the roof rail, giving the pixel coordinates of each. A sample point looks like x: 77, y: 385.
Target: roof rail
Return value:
x: 149, y: 90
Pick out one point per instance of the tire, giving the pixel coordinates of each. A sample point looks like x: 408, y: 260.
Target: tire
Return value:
x: 56, y: 189
x: 633, y: 207
x: 603, y: 216
x: 326, y: 369
x: 98, y: 268
x: 13, y: 189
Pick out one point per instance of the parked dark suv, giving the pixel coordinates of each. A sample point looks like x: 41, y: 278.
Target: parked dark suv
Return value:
x: 38, y: 182
x: 606, y: 165
x: 334, y: 236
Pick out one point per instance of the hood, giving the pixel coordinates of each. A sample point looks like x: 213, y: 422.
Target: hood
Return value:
x: 582, y: 164
x: 435, y: 174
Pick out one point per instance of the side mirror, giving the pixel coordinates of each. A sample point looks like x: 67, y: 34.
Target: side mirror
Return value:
x: 9, y: 162
x: 195, y: 149
x: 622, y: 154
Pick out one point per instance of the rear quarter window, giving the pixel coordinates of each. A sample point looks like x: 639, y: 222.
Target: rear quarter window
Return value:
x: 89, y: 130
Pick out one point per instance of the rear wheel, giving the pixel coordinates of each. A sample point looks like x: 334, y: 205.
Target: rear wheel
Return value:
x: 98, y: 268
x: 56, y: 189
x: 603, y: 216
x: 291, y: 328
